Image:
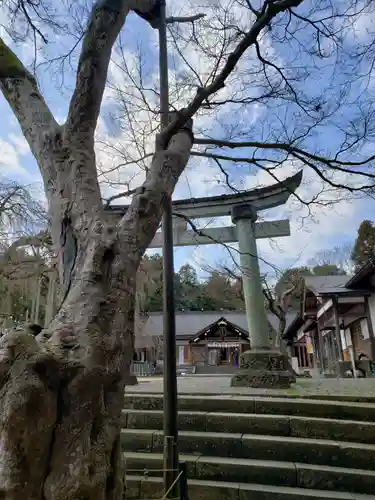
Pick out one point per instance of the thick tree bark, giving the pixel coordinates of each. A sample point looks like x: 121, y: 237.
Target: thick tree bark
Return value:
x: 61, y: 393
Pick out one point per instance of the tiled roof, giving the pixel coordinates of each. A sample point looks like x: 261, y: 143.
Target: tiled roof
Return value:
x: 364, y: 272
x: 327, y: 284
x: 189, y: 323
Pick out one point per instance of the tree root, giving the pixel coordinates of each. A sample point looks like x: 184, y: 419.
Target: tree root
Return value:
x: 59, y: 426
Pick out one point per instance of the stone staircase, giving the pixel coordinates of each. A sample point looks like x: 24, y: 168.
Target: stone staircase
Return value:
x: 255, y: 448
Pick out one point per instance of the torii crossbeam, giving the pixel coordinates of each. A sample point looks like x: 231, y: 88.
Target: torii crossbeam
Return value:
x: 221, y: 206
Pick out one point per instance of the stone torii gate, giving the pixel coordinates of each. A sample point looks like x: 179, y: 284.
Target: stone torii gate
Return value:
x: 261, y: 366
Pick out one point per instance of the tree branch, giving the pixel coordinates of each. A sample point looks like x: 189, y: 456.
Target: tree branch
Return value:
x: 288, y: 148
x: 20, y: 89
x: 142, y: 218
x: 269, y: 11
x: 105, y: 22
x: 129, y: 192
x: 188, y: 19
x: 234, y: 159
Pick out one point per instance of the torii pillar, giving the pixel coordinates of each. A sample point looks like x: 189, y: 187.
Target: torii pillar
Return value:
x: 262, y: 365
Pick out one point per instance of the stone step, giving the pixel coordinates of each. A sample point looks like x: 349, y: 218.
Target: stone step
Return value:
x: 279, y: 448
x: 276, y: 425
x: 260, y: 405
x: 279, y: 394
x: 141, y: 487
x: 259, y: 471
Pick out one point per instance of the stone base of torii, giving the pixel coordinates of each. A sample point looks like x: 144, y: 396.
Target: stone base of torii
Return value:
x: 268, y: 369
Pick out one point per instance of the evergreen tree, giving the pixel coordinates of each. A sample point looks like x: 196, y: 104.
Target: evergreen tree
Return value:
x: 187, y: 289
x: 150, y: 283
x: 223, y: 292
x: 328, y: 270
x: 364, y: 247
x: 188, y: 276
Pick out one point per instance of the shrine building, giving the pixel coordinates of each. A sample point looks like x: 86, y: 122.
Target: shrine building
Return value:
x: 204, y: 338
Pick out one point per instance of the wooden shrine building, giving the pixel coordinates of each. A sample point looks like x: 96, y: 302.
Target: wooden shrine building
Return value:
x: 336, y: 322
x: 204, y: 338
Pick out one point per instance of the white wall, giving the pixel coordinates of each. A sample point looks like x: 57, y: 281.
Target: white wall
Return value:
x: 344, y: 342
x: 348, y: 338
x: 371, y: 303
x: 181, y: 355
x: 364, y: 329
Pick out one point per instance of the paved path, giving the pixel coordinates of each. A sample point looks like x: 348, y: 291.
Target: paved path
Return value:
x: 221, y: 385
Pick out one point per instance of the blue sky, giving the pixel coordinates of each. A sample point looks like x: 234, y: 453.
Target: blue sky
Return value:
x: 324, y: 228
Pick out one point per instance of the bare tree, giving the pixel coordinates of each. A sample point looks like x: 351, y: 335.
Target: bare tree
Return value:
x: 25, y: 251
x: 340, y: 256
x: 20, y: 212
x: 68, y: 383
x: 277, y: 304
x: 146, y: 278
x: 25, y: 242
x: 267, y: 98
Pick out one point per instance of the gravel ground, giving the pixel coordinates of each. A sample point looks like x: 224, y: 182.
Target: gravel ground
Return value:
x: 221, y: 385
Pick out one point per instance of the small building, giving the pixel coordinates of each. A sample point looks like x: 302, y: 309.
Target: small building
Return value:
x: 204, y: 338
x: 336, y: 322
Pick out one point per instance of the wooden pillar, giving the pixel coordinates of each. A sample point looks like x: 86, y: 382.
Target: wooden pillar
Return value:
x: 303, y: 349
x: 37, y: 300
x: 316, y: 353
x: 308, y: 348
x: 370, y: 328
x: 332, y: 347
x: 354, y: 347
x: 300, y: 356
x: 328, y: 346
x: 320, y: 347
x: 337, y: 329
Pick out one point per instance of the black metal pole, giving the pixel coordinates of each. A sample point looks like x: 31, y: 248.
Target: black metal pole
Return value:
x: 183, y: 481
x: 170, y: 374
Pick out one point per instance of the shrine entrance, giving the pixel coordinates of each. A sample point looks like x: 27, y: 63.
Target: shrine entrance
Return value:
x: 244, y: 209
x: 219, y: 344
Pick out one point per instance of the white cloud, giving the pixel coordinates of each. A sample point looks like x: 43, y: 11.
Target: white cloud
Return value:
x: 10, y: 163
x: 200, y: 178
x: 316, y: 227
x: 20, y: 143
x: 361, y: 25
x: 135, y: 118
x: 313, y: 229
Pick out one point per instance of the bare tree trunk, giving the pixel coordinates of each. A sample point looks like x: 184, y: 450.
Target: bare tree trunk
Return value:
x: 281, y: 328
x: 37, y: 298
x: 62, y: 393
x: 50, y: 302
